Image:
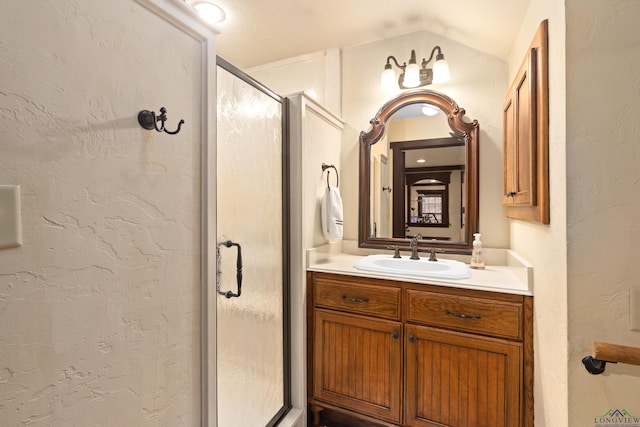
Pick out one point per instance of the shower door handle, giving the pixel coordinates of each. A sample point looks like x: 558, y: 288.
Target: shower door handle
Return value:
x: 228, y: 244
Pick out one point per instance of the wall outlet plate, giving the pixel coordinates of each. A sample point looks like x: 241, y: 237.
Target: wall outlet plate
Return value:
x: 634, y: 308
x: 10, y: 226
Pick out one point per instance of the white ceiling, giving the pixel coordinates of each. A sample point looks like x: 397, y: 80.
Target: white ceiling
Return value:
x: 262, y: 31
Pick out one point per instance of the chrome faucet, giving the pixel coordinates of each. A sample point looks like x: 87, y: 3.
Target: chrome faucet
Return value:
x: 413, y: 244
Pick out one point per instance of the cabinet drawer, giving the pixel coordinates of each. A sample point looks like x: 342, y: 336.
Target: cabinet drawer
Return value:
x: 363, y: 299
x: 467, y: 314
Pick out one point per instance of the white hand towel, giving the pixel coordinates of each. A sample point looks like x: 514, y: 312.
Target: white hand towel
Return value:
x: 331, y: 214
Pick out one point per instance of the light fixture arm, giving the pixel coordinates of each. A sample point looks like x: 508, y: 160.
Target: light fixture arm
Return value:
x: 425, y: 62
x: 393, y: 58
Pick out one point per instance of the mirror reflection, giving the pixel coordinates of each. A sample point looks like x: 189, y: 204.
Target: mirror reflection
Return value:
x: 420, y: 169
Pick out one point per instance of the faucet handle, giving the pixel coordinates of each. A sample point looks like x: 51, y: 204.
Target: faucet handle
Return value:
x: 396, y: 251
x: 432, y: 254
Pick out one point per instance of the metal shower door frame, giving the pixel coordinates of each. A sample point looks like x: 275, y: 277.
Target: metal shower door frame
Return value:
x: 286, y: 275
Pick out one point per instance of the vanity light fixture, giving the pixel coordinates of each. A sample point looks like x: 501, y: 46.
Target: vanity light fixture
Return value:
x: 208, y: 10
x: 412, y: 75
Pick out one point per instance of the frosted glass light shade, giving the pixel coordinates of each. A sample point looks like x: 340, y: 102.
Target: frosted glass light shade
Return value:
x: 209, y: 11
x: 388, y: 80
x: 411, y: 76
x: 441, y: 71
x: 429, y: 110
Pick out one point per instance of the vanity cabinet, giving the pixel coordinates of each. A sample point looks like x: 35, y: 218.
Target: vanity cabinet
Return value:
x: 391, y: 353
x: 525, y: 115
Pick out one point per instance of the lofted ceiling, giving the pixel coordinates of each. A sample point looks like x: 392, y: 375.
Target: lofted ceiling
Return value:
x: 262, y: 31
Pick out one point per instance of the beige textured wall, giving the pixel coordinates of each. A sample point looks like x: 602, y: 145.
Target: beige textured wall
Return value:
x: 99, y: 309
x: 603, y: 198
x: 544, y: 245
x: 316, y: 73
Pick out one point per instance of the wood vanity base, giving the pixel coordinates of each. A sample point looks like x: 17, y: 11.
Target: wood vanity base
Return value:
x: 315, y: 410
x: 389, y: 353
x: 331, y: 416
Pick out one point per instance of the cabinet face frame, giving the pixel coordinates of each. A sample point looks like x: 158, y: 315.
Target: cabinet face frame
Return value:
x: 535, y: 206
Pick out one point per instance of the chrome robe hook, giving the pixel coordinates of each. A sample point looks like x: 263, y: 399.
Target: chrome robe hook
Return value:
x: 149, y: 121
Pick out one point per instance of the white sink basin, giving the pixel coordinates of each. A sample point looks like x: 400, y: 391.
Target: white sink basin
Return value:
x: 441, y: 269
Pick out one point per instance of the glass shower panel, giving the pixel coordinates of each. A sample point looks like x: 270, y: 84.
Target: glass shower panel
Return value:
x: 250, y: 327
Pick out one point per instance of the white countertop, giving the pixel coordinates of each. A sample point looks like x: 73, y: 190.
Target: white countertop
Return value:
x: 511, y: 275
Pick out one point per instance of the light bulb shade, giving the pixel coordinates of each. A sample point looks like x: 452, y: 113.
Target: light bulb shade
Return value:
x: 411, y: 75
x: 441, y: 71
x: 388, y: 80
x: 430, y: 110
x: 209, y: 11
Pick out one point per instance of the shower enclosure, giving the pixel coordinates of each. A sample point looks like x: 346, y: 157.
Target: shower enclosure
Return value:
x: 252, y: 271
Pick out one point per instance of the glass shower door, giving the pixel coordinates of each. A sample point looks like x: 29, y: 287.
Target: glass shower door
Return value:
x: 251, y: 253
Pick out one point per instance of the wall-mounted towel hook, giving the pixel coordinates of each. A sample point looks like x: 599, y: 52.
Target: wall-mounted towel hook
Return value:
x: 325, y: 167
x: 149, y: 121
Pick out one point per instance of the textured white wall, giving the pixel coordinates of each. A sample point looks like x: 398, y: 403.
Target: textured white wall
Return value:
x: 603, y: 198
x: 99, y: 309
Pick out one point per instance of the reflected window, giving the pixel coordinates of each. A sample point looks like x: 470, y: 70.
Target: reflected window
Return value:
x: 429, y: 202
x: 431, y: 207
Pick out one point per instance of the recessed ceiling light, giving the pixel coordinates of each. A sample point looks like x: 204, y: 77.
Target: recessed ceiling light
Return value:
x: 420, y: 161
x: 208, y: 10
x: 429, y: 110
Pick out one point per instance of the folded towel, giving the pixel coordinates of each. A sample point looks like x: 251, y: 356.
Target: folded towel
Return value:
x: 331, y: 214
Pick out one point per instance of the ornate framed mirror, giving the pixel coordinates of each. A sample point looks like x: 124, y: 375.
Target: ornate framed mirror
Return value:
x: 419, y: 174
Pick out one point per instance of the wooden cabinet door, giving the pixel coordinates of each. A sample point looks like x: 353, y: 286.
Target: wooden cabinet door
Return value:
x: 526, y: 135
x: 519, y: 127
x: 456, y: 379
x: 358, y: 364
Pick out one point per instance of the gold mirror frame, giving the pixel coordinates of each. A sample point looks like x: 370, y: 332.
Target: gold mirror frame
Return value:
x: 461, y: 128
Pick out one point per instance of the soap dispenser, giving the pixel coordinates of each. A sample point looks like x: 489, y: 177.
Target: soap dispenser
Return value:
x: 477, y: 259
